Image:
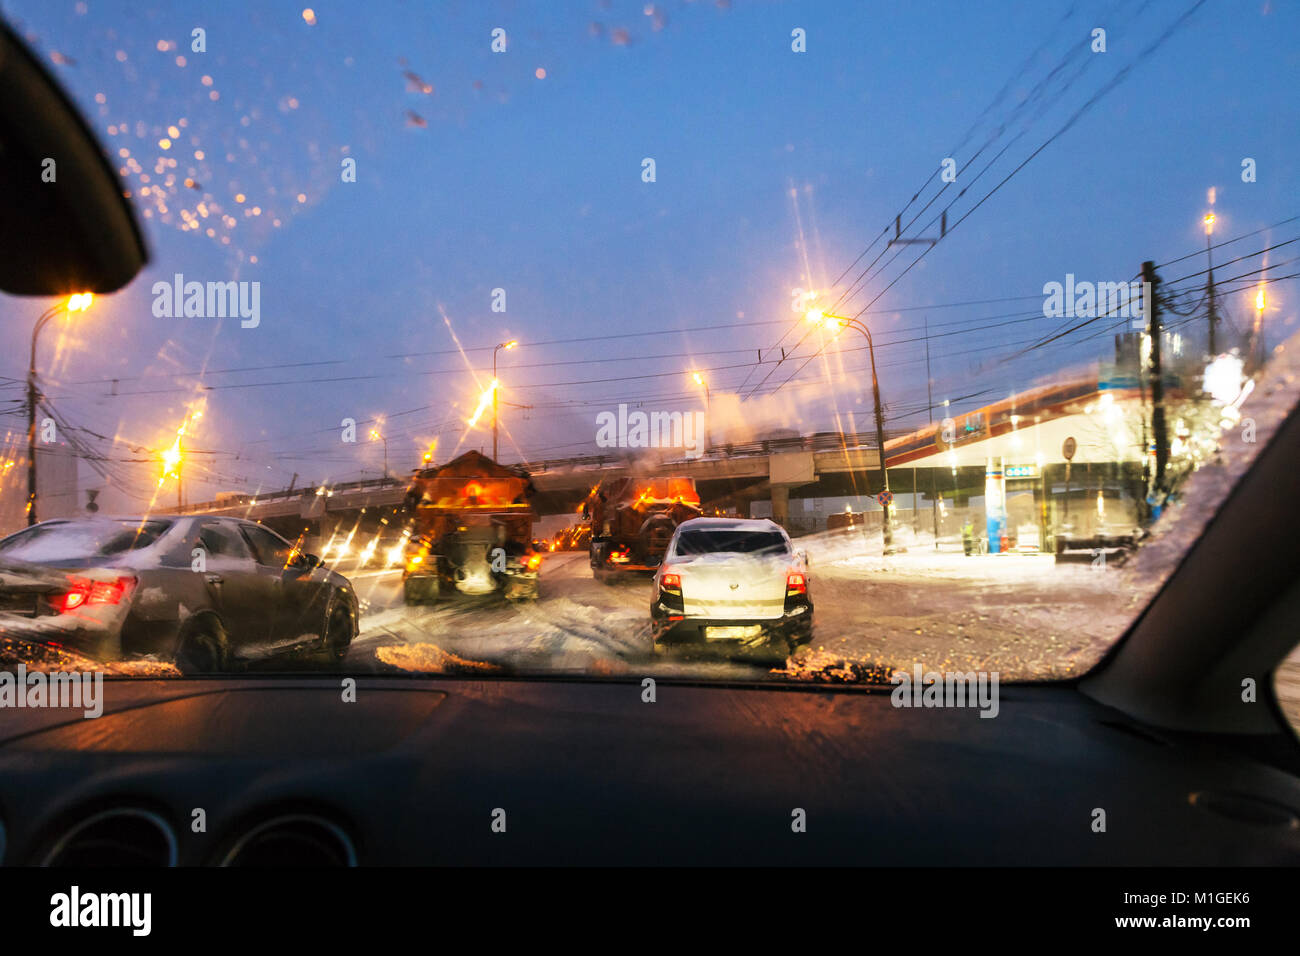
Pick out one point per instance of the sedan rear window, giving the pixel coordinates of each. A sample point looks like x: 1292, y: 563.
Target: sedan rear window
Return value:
x: 731, y: 542
x: 57, y: 541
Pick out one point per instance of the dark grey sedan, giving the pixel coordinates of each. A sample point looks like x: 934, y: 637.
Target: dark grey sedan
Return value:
x: 207, y: 592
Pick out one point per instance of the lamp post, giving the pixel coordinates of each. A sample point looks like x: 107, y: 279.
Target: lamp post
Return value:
x: 1209, y: 284
x: 497, y: 391
x: 76, y: 303
x: 375, y: 435
x: 837, y: 322
x: 708, y: 409
x: 1257, y: 353
x: 173, y: 459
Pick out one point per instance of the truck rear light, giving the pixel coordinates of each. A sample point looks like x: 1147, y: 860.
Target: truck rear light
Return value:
x: 85, y: 591
x: 796, y: 583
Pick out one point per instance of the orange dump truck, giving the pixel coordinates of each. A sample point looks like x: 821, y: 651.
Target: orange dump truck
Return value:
x: 633, y: 519
x: 470, y: 532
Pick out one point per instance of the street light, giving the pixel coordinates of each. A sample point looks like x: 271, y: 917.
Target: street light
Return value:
x: 174, y: 458
x: 496, y: 390
x: 1257, y: 334
x: 1209, y: 283
x: 374, y: 435
x: 836, y: 323
x: 708, y: 409
x: 76, y: 303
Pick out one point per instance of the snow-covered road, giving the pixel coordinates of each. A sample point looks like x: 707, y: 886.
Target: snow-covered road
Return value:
x: 1021, y: 615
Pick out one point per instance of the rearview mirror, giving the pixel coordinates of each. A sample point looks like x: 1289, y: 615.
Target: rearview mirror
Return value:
x: 57, y: 190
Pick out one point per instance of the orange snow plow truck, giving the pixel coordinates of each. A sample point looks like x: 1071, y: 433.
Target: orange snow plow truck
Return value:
x: 633, y: 519
x: 470, y: 532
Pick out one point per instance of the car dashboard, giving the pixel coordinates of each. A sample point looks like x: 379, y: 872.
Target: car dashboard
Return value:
x: 459, y: 771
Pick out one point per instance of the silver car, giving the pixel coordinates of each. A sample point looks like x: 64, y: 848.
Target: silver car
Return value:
x: 206, y: 592
x: 729, y: 581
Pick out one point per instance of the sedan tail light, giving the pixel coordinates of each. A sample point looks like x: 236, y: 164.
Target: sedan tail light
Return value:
x: 86, y: 591
x: 796, y: 583
x: 670, y: 581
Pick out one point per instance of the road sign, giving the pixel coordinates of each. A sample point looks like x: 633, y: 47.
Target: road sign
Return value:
x: 1067, y: 448
x: 885, y: 499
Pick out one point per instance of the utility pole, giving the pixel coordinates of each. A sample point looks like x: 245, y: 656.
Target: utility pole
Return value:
x: 1146, y: 445
x: 708, y: 409
x: 916, y: 513
x: 838, y: 323
x: 929, y: 401
x: 886, y: 533
x: 1209, y: 286
x: 33, y: 399
x: 1158, y: 426
x: 31, y: 439
x: 1258, y: 354
x: 77, y: 303
x: 496, y: 391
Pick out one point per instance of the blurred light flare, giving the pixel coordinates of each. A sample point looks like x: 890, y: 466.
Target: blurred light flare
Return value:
x: 484, y: 401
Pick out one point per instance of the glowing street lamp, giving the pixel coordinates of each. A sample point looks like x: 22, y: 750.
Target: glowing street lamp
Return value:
x: 173, y: 458
x: 376, y: 436
x: 76, y: 303
x: 708, y: 408
x: 495, y: 388
x: 836, y: 323
x: 1209, y: 221
x: 1257, y: 334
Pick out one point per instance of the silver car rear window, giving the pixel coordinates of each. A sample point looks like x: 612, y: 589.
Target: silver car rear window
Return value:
x: 56, y: 541
x: 731, y: 542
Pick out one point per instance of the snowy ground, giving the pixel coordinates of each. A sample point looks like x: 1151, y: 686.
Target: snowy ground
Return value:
x: 1024, y: 616
x: 1021, y: 615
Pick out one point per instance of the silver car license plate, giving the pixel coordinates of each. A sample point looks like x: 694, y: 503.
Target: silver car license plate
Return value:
x: 732, y: 633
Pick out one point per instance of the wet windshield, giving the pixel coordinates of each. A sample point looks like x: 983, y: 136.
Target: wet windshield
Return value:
x: 473, y: 305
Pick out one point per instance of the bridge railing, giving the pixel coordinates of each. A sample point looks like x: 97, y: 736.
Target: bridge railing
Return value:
x: 824, y: 441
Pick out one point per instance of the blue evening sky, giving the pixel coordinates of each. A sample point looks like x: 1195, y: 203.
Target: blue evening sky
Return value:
x: 774, y: 169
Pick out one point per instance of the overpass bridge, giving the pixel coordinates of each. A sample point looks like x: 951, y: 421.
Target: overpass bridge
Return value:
x: 729, y: 475
x: 1026, y: 430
